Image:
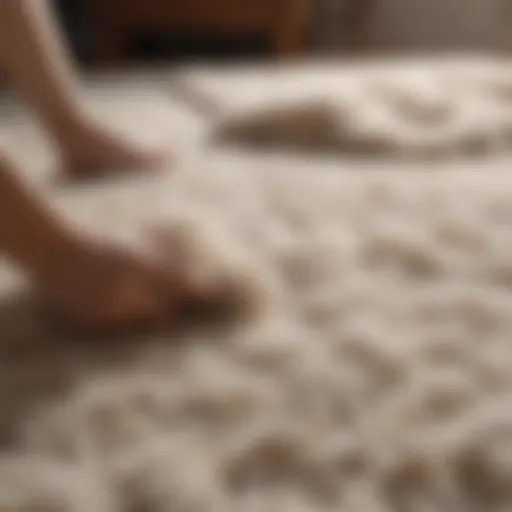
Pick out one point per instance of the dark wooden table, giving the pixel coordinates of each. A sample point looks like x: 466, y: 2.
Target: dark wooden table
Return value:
x: 285, y: 22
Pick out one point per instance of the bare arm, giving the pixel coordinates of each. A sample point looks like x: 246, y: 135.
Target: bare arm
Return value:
x: 36, y: 60
x: 31, y: 233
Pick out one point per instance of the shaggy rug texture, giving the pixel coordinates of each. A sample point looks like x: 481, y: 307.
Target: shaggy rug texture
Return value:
x: 429, y: 109
x: 376, y: 377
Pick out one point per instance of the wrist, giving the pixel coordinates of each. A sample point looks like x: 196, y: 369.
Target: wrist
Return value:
x: 49, y: 251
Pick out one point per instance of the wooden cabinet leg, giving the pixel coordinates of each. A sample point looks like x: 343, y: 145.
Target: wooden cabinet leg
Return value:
x: 290, y: 36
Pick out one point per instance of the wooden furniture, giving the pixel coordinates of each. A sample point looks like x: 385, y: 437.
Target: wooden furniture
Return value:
x: 360, y: 20
x: 287, y: 22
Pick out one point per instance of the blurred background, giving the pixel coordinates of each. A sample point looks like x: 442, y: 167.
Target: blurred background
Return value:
x: 120, y: 32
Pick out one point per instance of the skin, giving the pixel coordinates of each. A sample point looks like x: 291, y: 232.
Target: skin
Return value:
x: 92, y: 281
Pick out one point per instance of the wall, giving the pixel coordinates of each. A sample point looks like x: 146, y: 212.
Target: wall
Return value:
x: 412, y: 25
x: 443, y: 24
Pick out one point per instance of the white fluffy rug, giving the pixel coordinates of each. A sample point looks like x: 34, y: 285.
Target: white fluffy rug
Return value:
x: 379, y: 379
x: 428, y: 109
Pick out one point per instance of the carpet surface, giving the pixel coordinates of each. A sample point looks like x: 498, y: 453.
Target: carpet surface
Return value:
x: 421, y: 109
x: 378, y: 378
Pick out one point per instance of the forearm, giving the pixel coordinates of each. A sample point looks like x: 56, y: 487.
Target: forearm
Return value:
x: 37, y: 62
x: 31, y: 233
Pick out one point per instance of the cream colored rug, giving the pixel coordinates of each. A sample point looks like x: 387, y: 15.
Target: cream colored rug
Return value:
x: 428, y: 108
x: 379, y: 378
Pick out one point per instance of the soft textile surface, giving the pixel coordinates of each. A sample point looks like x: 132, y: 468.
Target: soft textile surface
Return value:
x: 429, y: 110
x: 378, y: 379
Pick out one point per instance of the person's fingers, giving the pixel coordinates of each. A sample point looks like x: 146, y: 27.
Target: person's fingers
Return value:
x: 132, y: 299
x: 184, y: 284
x: 174, y: 280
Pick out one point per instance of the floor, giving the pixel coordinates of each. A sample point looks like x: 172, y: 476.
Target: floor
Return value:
x: 376, y: 378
